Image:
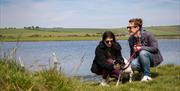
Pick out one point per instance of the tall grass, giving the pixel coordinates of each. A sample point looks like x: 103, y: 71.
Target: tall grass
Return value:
x: 15, y: 78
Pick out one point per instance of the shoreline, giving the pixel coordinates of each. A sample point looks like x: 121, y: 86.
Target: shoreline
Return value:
x: 75, y: 39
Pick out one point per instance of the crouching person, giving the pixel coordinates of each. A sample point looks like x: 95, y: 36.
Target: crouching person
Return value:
x: 107, y: 57
x: 144, y: 47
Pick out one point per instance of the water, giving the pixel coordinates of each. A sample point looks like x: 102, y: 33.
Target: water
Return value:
x: 70, y: 53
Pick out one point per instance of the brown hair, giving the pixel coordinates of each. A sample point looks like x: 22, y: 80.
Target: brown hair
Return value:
x: 137, y: 22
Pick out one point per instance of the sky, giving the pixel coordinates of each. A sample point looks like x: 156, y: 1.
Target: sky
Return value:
x: 87, y: 13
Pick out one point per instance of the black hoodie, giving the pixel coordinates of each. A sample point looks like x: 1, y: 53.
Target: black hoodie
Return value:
x: 103, y: 53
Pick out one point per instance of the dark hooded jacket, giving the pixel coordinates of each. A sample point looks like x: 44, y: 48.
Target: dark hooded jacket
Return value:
x: 102, y: 53
x: 150, y: 44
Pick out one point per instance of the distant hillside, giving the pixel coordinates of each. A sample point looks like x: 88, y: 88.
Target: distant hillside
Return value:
x: 51, y: 34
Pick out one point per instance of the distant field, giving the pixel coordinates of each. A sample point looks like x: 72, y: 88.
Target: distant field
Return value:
x: 60, y: 34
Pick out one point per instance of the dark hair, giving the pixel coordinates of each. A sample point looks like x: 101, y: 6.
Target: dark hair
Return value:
x: 108, y: 34
x: 137, y: 22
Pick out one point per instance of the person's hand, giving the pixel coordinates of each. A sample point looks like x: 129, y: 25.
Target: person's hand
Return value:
x: 116, y: 66
x: 137, y: 47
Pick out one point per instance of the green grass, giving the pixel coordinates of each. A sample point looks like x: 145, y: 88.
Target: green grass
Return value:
x: 14, y: 78
x: 59, y: 34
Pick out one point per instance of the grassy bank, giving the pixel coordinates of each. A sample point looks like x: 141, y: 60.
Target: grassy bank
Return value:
x: 14, y: 78
x: 60, y: 34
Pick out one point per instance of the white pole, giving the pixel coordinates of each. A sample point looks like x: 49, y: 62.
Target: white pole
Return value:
x: 55, y: 61
x: 21, y: 62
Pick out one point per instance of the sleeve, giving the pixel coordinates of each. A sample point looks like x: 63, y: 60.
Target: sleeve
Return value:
x: 153, y: 44
x: 119, y: 58
x: 131, y: 46
x: 102, y: 61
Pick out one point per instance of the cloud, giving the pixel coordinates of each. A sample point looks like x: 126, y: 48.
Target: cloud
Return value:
x: 87, y: 13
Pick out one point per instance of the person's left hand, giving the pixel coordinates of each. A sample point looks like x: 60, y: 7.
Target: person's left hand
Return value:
x: 137, y: 47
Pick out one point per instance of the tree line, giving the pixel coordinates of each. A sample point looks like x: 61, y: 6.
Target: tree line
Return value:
x: 29, y: 27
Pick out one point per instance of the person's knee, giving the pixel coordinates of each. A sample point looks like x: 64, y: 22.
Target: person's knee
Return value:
x: 145, y: 58
x: 144, y: 53
x: 134, y: 65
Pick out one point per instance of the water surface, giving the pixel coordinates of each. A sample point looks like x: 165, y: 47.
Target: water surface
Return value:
x: 71, y: 53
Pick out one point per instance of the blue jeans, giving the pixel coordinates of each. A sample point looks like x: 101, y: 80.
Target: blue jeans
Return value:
x: 142, y: 62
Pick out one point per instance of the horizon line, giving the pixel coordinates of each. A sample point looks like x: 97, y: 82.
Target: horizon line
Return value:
x: 89, y: 27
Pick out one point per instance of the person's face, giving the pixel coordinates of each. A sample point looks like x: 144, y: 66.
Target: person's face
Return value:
x: 108, y: 41
x: 132, y: 28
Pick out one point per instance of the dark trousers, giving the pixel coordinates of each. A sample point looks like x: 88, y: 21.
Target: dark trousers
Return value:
x: 105, y: 73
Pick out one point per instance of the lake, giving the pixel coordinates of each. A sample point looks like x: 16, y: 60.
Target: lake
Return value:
x: 71, y: 53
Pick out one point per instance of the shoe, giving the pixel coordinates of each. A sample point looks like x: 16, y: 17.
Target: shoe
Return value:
x: 103, y: 83
x: 146, y: 78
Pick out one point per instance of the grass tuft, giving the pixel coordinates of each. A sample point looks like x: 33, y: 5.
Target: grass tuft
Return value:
x: 15, y: 78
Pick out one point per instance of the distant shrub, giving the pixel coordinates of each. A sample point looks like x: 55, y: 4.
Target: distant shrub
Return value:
x: 50, y: 36
x: 93, y: 35
x: 35, y: 35
x: 1, y: 36
x: 87, y: 35
x: 45, y: 36
x: 73, y: 35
